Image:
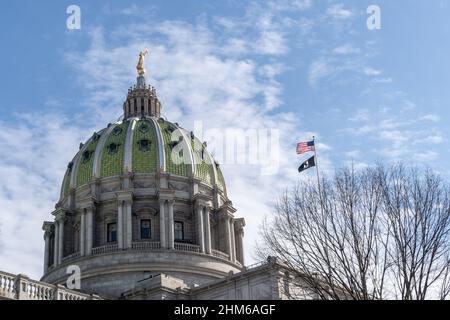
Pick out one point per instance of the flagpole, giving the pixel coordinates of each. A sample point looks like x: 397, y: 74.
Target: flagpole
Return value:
x: 317, y: 168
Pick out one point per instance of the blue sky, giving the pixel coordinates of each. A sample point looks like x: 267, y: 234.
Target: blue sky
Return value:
x: 301, y: 67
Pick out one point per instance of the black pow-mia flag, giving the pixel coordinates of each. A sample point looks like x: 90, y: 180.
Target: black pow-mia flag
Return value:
x: 307, y: 164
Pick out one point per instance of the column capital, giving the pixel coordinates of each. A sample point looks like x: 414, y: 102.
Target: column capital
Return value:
x: 166, y: 194
x: 227, y: 207
x: 199, y: 204
x: 124, y: 196
x: 47, y: 226
x: 202, y: 198
x: 60, y: 214
x: 226, y: 214
x: 239, y: 225
x: 88, y: 203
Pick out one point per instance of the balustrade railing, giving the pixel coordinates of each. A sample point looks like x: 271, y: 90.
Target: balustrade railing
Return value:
x: 220, y: 254
x: 20, y: 287
x: 105, y: 249
x: 34, y: 290
x: 71, y: 257
x: 146, y: 245
x: 186, y: 247
x: 7, y: 285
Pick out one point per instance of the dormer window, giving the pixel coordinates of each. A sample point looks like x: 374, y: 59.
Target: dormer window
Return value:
x: 113, y: 148
x: 117, y: 130
x: 86, y: 156
x: 144, y: 145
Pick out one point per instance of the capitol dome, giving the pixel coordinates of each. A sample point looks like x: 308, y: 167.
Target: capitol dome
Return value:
x: 142, y: 197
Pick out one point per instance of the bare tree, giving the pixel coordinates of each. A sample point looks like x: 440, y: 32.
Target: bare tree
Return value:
x: 378, y: 233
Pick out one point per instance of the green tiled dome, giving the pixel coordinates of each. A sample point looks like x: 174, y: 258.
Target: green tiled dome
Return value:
x: 142, y: 145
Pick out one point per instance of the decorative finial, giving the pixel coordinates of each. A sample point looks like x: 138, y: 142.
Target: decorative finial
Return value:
x: 140, y: 66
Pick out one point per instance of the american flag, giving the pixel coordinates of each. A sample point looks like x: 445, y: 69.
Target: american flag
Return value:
x: 306, y: 146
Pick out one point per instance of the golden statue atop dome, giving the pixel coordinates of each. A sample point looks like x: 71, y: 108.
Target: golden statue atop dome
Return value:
x: 140, y: 66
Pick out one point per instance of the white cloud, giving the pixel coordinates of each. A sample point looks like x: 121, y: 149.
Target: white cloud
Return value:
x: 346, y: 49
x: 382, y: 80
x: 371, y: 72
x: 271, y: 42
x: 431, y: 118
x: 337, y: 11
x: 400, y: 133
x: 353, y: 153
x: 35, y: 151
x: 319, y: 69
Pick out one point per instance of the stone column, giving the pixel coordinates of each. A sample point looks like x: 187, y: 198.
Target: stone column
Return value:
x: 61, y: 240
x: 138, y: 103
x: 233, y: 241
x: 152, y: 108
x: 132, y: 107
x: 89, y: 230
x: 162, y: 224
x: 120, y: 225
x: 83, y: 233
x: 171, y: 244
x: 56, y: 242
x: 47, y: 250
x: 240, y: 245
x: 129, y: 225
x: 146, y: 105
x: 207, y: 226
x: 228, y: 236
x: 200, y: 229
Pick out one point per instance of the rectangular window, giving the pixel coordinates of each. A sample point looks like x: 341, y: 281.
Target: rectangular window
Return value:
x: 178, y: 230
x: 146, y: 229
x: 112, y: 232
